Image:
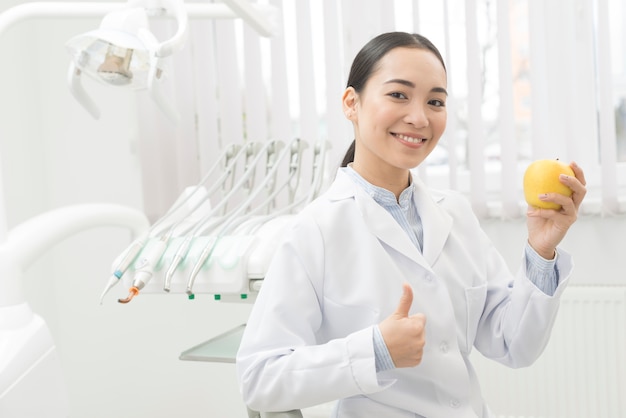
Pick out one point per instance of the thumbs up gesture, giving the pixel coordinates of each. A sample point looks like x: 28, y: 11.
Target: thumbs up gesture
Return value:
x: 404, y: 335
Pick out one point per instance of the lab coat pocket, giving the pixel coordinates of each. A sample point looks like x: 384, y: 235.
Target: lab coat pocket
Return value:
x: 475, y: 298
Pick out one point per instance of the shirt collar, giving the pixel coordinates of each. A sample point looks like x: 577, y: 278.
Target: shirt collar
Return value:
x: 382, y: 196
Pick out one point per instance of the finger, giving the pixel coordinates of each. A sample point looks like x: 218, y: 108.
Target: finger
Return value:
x: 578, y: 188
x: 580, y: 175
x: 406, y: 300
x: 421, y: 320
x: 556, y: 198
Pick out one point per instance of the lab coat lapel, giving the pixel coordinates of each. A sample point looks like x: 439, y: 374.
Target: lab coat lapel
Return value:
x: 376, y: 218
x: 437, y: 223
x: 385, y: 227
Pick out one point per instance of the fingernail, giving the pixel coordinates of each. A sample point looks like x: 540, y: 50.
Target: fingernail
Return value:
x: 564, y: 176
x: 543, y: 196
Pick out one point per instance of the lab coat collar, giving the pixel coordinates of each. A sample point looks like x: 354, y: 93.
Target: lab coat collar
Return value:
x: 436, y: 222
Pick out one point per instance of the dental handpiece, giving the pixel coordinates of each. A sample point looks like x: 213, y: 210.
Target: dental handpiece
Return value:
x: 144, y: 268
x: 204, y: 256
x: 181, y: 252
x: 130, y: 255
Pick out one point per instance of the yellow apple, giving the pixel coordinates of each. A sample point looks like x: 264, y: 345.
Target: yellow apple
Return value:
x: 542, y: 176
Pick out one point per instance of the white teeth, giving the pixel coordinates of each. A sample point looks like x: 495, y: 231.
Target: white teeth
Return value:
x: 410, y: 139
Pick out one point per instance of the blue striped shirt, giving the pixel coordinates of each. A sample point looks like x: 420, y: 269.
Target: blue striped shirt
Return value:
x: 541, y: 272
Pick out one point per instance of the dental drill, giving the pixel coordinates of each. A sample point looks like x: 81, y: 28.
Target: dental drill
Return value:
x: 144, y: 268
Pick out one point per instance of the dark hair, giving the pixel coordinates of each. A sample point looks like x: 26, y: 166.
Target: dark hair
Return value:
x: 366, y: 62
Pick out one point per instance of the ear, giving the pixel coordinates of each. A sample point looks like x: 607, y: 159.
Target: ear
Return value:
x: 349, y: 101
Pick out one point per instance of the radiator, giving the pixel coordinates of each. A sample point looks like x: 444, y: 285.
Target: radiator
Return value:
x: 581, y: 373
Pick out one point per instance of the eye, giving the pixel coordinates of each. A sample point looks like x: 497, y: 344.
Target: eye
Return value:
x: 397, y: 95
x: 437, y: 103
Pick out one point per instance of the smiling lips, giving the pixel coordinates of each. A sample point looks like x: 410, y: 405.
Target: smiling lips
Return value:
x: 411, y: 139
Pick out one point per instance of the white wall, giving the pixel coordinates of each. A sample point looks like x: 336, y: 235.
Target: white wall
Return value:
x: 122, y: 360
x: 597, y: 245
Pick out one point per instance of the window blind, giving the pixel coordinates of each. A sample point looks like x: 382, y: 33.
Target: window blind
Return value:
x: 528, y: 79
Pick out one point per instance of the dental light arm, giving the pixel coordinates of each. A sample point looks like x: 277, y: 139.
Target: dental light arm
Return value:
x: 252, y: 16
x: 177, y: 9
x: 261, y: 17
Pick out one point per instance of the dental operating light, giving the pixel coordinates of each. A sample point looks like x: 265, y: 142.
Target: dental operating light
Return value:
x: 124, y: 52
x: 106, y: 53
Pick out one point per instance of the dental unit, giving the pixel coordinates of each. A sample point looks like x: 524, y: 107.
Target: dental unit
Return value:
x: 223, y: 248
x: 136, y: 247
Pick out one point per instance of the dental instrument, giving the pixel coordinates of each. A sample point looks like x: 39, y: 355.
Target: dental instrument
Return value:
x: 266, y: 231
x: 189, y: 236
x: 230, y: 162
x: 209, y: 220
x: 317, y: 177
x: 229, y: 155
x: 129, y: 256
x: 144, y: 268
x: 208, y: 250
x: 248, y: 233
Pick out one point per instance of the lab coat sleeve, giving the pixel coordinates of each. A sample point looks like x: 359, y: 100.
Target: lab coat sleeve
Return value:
x: 517, y: 321
x: 280, y: 364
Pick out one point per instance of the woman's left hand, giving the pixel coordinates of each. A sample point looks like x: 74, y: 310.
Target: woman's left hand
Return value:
x: 547, y: 227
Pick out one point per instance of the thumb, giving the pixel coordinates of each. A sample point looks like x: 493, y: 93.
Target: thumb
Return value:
x: 406, y: 300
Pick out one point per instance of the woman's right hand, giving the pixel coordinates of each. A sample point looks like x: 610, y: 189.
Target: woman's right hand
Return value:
x: 404, y: 334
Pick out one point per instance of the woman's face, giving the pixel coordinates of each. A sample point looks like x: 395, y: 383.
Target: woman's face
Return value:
x: 399, y: 115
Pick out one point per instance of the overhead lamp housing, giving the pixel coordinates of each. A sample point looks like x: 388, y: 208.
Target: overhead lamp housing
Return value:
x: 113, y: 53
x: 123, y: 52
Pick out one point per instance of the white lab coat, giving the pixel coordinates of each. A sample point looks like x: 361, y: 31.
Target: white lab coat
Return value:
x: 339, y: 271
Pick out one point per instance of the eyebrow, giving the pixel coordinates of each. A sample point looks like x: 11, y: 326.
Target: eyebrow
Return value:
x: 412, y: 85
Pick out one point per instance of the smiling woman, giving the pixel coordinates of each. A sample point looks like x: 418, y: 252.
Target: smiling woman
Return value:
x: 412, y: 262
x: 524, y: 81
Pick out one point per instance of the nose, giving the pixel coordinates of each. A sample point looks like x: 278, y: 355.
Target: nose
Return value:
x: 416, y: 115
